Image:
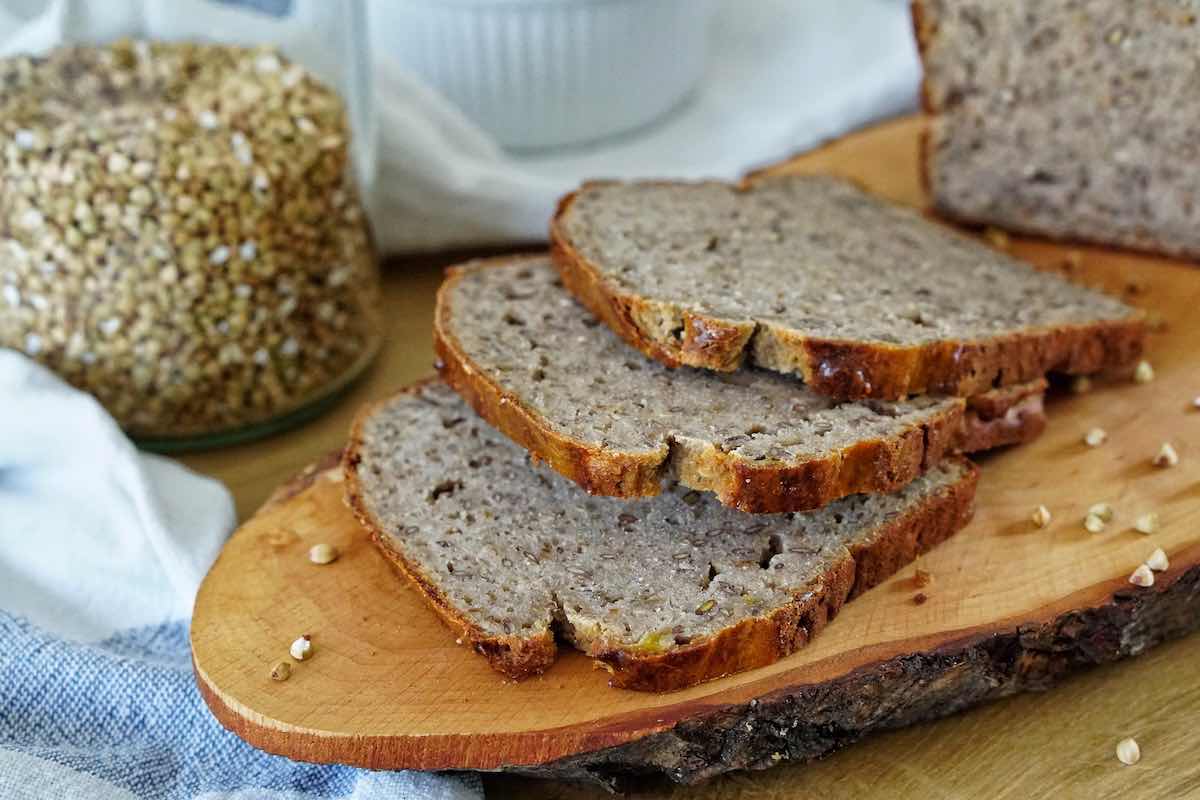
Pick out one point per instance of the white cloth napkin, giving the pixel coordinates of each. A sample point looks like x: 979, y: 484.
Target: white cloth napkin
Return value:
x: 102, y: 549
x: 98, y: 537
x: 784, y: 76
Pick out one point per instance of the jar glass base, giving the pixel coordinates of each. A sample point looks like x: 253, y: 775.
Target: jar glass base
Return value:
x: 313, y: 408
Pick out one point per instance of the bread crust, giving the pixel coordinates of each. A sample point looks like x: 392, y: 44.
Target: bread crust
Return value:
x: 997, y: 402
x: 871, y: 466
x: 845, y: 369
x: 515, y: 656
x: 751, y: 643
x: 923, y: 30
x: 1004, y: 417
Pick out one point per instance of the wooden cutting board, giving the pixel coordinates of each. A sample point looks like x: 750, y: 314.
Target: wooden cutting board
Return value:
x: 1009, y: 607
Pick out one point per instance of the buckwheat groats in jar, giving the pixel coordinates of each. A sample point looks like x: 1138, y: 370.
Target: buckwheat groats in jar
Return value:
x: 180, y: 234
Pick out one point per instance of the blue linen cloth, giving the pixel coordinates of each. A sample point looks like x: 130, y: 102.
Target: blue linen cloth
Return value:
x: 101, y: 551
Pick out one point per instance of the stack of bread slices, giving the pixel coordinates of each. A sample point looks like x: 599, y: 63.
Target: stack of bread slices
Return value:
x: 710, y: 417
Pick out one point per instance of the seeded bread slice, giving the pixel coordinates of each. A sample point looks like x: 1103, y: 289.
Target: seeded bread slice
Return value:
x: 810, y: 275
x: 543, y: 370
x: 664, y: 592
x: 1065, y: 119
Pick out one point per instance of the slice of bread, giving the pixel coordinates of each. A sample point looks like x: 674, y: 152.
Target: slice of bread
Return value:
x: 810, y: 275
x: 664, y: 592
x: 1065, y: 119
x: 543, y: 370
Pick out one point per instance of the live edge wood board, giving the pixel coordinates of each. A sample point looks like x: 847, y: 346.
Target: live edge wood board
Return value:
x: 1010, y: 606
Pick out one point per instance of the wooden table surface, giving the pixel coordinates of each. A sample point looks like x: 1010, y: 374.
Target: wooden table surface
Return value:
x: 1057, y: 744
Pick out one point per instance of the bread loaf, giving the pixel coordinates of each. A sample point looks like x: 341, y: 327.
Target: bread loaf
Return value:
x: 1065, y: 119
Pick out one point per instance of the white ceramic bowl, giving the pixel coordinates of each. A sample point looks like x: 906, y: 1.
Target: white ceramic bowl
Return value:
x: 546, y: 73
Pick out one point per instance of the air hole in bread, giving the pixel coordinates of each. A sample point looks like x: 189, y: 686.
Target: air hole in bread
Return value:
x: 972, y: 20
x: 918, y: 318
x: 446, y: 487
x: 773, y: 548
x: 510, y: 293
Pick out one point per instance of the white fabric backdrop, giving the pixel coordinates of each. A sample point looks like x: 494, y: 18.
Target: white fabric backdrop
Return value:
x: 784, y: 76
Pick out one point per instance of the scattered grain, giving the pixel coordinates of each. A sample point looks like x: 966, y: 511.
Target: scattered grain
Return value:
x: 1102, y: 510
x: 1082, y: 384
x: 1158, y: 561
x: 322, y: 553
x: 1095, y: 437
x: 281, y: 671
x: 301, y: 648
x: 1143, y: 373
x: 1128, y: 752
x: 1142, y: 576
x: 1166, y: 457
x: 1041, y: 516
x: 1147, y: 523
x: 1093, y: 523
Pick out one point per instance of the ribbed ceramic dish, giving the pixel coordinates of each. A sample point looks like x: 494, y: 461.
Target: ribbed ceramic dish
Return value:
x: 548, y: 73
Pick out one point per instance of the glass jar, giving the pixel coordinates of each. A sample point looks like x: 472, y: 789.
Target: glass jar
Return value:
x: 182, y: 223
